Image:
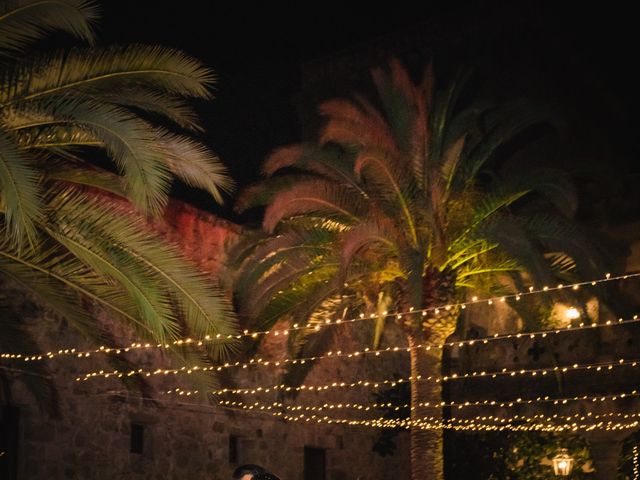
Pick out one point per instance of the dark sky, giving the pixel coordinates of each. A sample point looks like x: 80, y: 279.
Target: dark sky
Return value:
x: 579, y: 57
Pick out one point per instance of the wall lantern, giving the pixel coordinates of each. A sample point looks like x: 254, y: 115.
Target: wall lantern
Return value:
x: 562, y: 463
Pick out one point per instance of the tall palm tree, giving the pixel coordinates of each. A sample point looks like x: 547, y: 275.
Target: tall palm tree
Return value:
x: 389, y: 211
x: 77, y: 235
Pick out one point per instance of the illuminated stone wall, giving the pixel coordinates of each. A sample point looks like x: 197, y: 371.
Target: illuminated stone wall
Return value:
x: 91, y: 438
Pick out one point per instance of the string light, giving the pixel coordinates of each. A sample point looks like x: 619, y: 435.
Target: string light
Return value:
x: 73, y: 352
x: 441, y: 404
x: 475, y: 403
x: 276, y: 406
x: 368, y: 351
x: 254, y: 362
x: 597, y: 367
x: 381, y: 422
x: 431, y: 423
x: 636, y: 464
x: 421, y: 423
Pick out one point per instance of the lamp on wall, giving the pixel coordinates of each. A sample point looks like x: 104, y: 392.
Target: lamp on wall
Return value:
x: 562, y: 463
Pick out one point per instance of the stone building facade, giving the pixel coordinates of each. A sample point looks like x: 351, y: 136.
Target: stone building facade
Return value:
x: 105, y: 431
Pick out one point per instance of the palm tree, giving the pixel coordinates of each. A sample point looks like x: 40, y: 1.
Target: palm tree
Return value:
x: 75, y: 234
x: 390, y: 212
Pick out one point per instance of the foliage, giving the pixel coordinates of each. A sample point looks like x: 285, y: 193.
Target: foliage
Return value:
x: 72, y: 233
x: 394, y: 208
x: 625, y: 471
x: 515, y: 455
x: 526, y: 451
x: 399, y: 395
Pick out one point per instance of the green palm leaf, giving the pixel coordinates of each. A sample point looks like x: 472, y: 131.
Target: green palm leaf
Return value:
x: 24, y: 21
x: 128, y: 241
x: 93, y: 71
x: 19, y: 191
x: 195, y: 165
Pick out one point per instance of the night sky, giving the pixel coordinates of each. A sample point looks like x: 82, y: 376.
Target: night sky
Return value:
x: 579, y: 58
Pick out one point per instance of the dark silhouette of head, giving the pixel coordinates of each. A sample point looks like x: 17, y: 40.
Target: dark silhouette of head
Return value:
x: 266, y: 476
x: 243, y: 470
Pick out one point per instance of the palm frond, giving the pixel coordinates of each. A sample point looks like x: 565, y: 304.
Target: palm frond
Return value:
x: 276, y: 250
x: 561, y: 262
x: 195, y: 165
x: 392, y: 180
x: 496, y: 267
x: 348, y: 125
x: 24, y: 21
x: 559, y: 234
x: 71, y: 274
x: 89, y: 177
x: 361, y: 237
x: 19, y: 192
x: 553, y: 184
x: 485, y: 210
x: 263, y: 192
x: 514, y: 239
x: 450, y: 161
x: 308, y: 296
x: 403, y: 105
x: 83, y: 72
x: 127, y: 241
x: 48, y: 289
x: 131, y: 142
x: 171, y: 107
x: 329, y: 161
x: 55, y: 137
x: 153, y: 305
x: 444, y: 104
x: 504, y: 127
x: 286, y: 289
x: 476, y: 248
x: 315, y: 196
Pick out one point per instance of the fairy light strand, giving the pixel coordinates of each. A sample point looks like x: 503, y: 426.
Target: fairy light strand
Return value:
x: 375, y: 384
x: 449, y: 425
x: 255, y: 362
x: 74, y: 352
x: 279, y: 406
x: 403, y: 423
x: 460, y: 405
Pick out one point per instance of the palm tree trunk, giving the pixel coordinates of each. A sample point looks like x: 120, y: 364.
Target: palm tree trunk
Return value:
x: 427, y: 460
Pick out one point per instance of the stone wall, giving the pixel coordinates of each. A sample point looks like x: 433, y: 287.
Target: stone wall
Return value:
x: 92, y: 440
x: 190, y: 437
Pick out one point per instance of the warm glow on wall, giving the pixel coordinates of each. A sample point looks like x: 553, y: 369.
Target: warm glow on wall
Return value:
x: 572, y: 313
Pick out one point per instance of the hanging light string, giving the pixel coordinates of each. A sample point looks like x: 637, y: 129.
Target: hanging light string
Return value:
x: 375, y: 384
x: 135, y: 346
x: 378, y: 352
x: 478, y: 422
x: 279, y: 406
x: 431, y: 378
x: 382, y: 422
x: 255, y: 362
x: 445, y: 425
x: 636, y: 464
x: 442, y: 404
x: 425, y: 423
